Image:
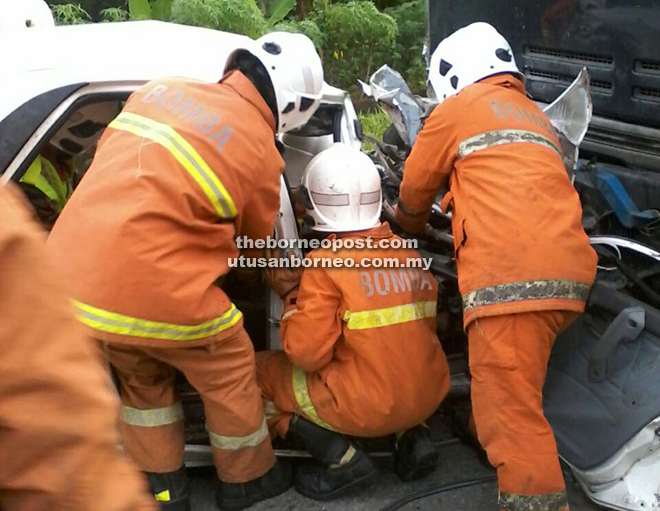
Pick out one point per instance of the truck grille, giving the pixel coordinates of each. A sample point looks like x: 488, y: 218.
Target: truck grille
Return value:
x: 648, y: 67
x: 597, y: 86
x: 570, y: 56
x: 647, y: 94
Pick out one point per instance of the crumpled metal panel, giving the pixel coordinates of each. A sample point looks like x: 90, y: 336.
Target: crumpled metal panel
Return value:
x: 388, y: 88
x: 571, y: 114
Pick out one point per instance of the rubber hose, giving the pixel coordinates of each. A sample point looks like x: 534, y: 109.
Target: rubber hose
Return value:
x: 434, y: 491
x: 652, y: 296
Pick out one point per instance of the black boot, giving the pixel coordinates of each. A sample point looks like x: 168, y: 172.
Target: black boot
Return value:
x: 236, y: 496
x: 343, y: 465
x: 171, y: 489
x: 416, y: 456
x: 461, y: 428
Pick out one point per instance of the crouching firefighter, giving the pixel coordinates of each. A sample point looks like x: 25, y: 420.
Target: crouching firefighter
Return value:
x: 361, y: 356
x: 524, y: 262
x: 184, y: 169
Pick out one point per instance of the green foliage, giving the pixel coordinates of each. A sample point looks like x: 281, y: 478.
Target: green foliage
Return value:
x: 161, y: 9
x: 407, y: 56
x: 279, y: 10
x: 70, y: 14
x: 239, y: 16
x: 358, y: 39
x: 93, y: 7
x: 114, y: 14
x: 307, y: 27
x: 139, y: 9
x: 354, y: 37
x: 374, y: 123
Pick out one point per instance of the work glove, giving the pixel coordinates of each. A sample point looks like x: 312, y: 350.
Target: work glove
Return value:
x: 282, y: 280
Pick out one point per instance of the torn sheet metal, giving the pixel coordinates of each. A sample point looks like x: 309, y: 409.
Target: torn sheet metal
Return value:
x: 571, y: 114
x: 391, y: 91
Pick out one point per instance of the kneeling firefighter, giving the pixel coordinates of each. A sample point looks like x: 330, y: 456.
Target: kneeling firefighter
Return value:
x: 525, y: 265
x: 184, y: 169
x: 361, y: 356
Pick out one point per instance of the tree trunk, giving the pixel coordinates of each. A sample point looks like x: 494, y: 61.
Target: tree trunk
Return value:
x: 303, y: 8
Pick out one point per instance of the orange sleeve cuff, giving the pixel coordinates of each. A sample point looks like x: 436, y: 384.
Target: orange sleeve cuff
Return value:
x: 290, y: 303
x: 413, y: 223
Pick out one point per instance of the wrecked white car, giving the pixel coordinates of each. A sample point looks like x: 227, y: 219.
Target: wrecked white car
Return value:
x: 41, y: 91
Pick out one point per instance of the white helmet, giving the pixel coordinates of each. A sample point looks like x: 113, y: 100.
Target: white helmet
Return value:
x: 468, y: 55
x: 296, y: 74
x: 341, y: 190
x: 85, y: 126
x: 20, y: 14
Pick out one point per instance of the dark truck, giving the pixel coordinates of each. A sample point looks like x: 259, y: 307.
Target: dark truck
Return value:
x: 603, y: 390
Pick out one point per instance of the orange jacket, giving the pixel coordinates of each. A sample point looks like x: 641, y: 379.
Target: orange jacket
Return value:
x: 58, y: 411
x: 184, y: 169
x: 366, y: 338
x: 518, y: 236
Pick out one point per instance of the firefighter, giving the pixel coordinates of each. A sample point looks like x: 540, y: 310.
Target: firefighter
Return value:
x: 361, y: 356
x: 58, y: 418
x: 184, y: 169
x: 524, y: 262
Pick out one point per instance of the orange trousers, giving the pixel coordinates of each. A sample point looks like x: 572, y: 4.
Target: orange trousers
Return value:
x: 279, y: 401
x: 508, y: 361
x: 223, y: 373
x: 367, y: 418
x: 58, y: 408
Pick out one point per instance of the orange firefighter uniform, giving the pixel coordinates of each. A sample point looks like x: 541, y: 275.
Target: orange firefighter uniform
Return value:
x: 360, y: 348
x: 524, y: 263
x: 58, y: 413
x: 184, y: 169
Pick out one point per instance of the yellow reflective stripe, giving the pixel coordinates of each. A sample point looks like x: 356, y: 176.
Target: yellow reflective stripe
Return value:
x: 153, y: 417
x: 235, y: 443
x: 301, y: 391
x: 390, y: 315
x: 163, y: 496
x: 115, y: 323
x: 33, y: 172
x: 184, y: 153
x: 500, y: 137
x: 34, y: 177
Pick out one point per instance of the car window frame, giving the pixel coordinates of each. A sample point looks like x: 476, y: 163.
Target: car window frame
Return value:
x: 91, y: 93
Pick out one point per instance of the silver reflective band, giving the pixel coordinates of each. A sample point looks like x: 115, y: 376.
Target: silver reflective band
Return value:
x: 271, y: 411
x: 530, y: 290
x: 327, y: 199
x: 234, y: 443
x: 152, y: 418
x: 546, y: 502
x: 501, y: 137
x: 370, y: 197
